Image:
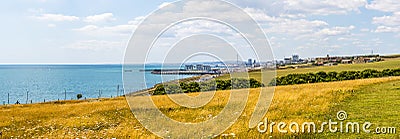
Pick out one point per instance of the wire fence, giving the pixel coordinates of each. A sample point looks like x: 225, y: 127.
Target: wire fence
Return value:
x: 69, y: 95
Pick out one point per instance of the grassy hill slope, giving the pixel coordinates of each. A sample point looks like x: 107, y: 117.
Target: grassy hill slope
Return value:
x: 387, y: 64
x: 113, y: 118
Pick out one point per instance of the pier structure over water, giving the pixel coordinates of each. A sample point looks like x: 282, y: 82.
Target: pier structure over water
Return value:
x: 184, y: 72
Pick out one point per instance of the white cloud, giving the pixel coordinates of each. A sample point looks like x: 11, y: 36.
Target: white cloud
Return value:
x: 107, y: 30
x: 205, y: 6
x: 261, y: 16
x: 87, y: 28
x: 36, y: 11
x: 285, y: 25
x: 387, y: 24
x: 198, y: 27
x: 105, y: 17
x: 163, y: 4
x: 56, y: 17
x: 295, y: 27
x: 392, y: 20
x: 316, y: 34
x: 323, y: 7
x: 346, y: 39
x: 137, y: 20
x: 384, y: 5
x: 365, y: 30
x: 293, y: 15
x: 301, y: 8
x: 123, y: 29
x: 96, y: 45
x: 51, y: 25
x: 383, y: 29
x: 120, y: 29
x: 333, y: 46
x: 335, y: 31
x: 299, y: 29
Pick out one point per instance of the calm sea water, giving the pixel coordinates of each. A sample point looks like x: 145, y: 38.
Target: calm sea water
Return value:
x: 50, y: 82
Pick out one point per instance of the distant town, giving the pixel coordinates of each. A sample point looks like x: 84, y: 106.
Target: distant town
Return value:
x: 328, y: 60
x: 295, y: 61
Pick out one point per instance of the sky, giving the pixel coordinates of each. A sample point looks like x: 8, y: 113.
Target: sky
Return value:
x: 98, y: 31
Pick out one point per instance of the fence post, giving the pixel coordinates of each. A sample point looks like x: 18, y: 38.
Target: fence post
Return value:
x: 27, y: 96
x: 117, y: 90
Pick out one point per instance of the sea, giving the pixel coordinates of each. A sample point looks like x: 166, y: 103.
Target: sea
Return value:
x: 44, y: 83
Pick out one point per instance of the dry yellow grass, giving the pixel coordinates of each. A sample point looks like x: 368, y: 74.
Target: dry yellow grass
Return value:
x: 94, y: 119
x: 113, y: 118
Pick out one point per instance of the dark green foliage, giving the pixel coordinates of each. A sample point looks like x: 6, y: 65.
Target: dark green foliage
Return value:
x: 396, y: 72
x: 184, y: 87
x: 79, y: 96
x: 208, y: 86
x: 240, y: 83
x: 172, y: 89
x: 223, y: 84
x: 159, y: 90
x: 211, y: 85
x: 193, y: 87
x: 255, y: 84
x: 332, y: 76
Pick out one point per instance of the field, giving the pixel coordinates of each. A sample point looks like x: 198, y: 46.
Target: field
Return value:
x: 112, y: 117
x: 378, y: 104
x: 387, y: 64
x: 373, y: 100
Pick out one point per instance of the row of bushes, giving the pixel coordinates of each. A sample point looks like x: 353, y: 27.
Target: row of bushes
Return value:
x: 332, y: 76
x: 235, y: 83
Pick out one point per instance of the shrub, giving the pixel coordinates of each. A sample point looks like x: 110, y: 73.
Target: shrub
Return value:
x: 235, y: 83
x: 332, y: 76
x: 79, y: 96
x: 159, y: 90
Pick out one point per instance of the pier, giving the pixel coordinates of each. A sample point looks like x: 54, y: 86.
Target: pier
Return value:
x: 184, y: 72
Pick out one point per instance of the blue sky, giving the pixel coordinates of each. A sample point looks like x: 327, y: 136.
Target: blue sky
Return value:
x: 97, y: 31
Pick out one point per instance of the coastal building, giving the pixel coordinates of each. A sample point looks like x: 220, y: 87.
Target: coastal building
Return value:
x: 287, y: 60
x: 198, y: 67
x: 295, y: 58
x: 189, y: 67
x: 249, y: 63
x: 346, y: 61
x: 328, y: 60
x: 206, y: 68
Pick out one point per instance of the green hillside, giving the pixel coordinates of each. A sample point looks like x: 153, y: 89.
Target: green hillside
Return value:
x: 387, y: 64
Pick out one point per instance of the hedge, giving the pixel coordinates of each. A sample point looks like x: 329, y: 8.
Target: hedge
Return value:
x: 321, y: 76
x: 235, y: 83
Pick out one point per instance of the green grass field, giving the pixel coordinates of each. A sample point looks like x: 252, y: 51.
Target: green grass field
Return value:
x: 378, y: 104
x: 387, y: 64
